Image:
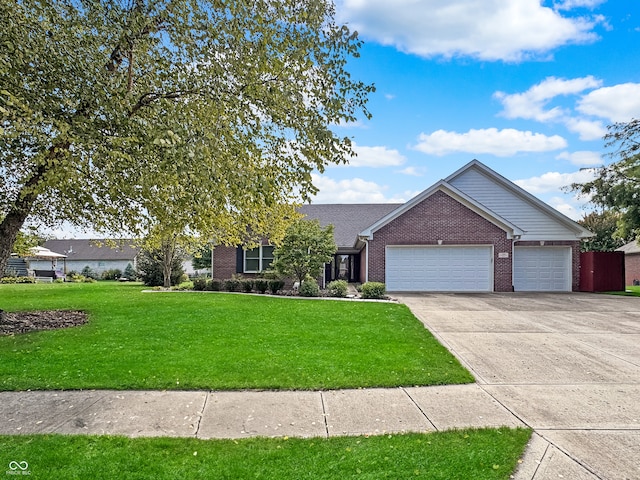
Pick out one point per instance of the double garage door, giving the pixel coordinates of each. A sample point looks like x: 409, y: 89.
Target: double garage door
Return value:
x: 470, y: 268
x: 439, y: 269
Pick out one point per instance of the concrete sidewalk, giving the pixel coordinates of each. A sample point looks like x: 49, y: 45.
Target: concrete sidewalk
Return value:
x: 245, y: 414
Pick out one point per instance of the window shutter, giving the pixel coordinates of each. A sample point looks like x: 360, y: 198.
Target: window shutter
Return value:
x: 239, y: 260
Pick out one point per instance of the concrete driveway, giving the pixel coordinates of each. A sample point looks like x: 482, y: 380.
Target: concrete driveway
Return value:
x: 567, y: 365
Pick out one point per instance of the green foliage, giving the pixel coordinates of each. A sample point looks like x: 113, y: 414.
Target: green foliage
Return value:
x: 204, y: 116
x: 605, y: 226
x: 275, y: 286
x: 337, y: 288
x: 151, y: 269
x: 232, y: 285
x: 247, y: 285
x: 305, y: 249
x: 112, y: 274
x: 261, y: 285
x: 200, y: 284
x: 309, y: 288
x: 214, y: 285
x: 617, y: 185
x: 373, y: 290
x: 88, y: 272
x: 18, y: 280
x: 129, y: 273
x: 202, y: 259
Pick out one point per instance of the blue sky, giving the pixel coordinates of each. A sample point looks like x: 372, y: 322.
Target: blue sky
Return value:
x: 526, y: 87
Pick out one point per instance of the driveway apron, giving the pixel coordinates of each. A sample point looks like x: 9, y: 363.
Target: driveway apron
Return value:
x: 567, y: 365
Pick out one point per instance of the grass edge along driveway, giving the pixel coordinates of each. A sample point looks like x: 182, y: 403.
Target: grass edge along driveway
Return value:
x: 217, y: 341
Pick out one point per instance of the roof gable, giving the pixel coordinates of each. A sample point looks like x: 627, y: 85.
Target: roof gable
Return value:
x: 538, y: 220
x: 442, y: 186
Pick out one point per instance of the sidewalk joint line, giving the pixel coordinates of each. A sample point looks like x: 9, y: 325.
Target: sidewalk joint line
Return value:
x: 324, y: 414
x: 420, y: 409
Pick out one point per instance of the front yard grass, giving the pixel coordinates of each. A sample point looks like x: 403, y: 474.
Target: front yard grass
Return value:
x: 217, y: 341
x: 486, y: 454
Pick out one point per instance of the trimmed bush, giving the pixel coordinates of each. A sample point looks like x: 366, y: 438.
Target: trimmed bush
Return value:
x: 232, y: 285
x: 309, y: 288
x: 247, y: 285
x: 276, y: 285
x: 261, y: 285
x: 18, y: 280
x: 112, y: 274
x: 214, y: 285
x: 374, y: 290
x: 89, y: 273
x: 200, y: 284
x: 337, y: 288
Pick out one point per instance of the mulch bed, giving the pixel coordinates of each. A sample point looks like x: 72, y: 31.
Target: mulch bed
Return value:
x: 12, y: 323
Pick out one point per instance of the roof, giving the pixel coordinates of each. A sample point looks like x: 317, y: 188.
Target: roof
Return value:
x: 630, y: 248
x: 498, y: 200
x: 94, y: 249
x: 348, y: 219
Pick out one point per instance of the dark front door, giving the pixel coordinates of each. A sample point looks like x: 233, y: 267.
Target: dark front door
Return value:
x: 344, y: 267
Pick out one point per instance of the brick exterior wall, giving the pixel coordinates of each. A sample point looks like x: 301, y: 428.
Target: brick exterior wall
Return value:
x: 631, y: 268
x: 440, y: 217
x: 575, y: 257
x: 224, y: 262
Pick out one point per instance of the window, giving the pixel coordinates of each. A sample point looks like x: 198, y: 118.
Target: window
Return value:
x: 258, y: 259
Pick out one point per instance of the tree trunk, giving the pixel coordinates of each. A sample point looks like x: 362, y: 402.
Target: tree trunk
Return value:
x: 11, y: 225
x: 168, y: 252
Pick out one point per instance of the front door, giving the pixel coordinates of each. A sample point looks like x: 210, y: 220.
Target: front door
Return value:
x: 343, y: 267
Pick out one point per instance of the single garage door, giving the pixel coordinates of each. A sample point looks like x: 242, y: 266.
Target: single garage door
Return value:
x: 439, y: 269
x: 542, y: 269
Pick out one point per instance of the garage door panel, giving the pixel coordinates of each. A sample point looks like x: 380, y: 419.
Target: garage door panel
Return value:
x: 420, y: 268
x: 542, y: 269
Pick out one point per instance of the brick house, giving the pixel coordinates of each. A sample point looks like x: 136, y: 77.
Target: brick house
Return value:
x: 631, y: 262
x: 473, y: 231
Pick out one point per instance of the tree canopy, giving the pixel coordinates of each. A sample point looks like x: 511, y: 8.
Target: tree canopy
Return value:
x: 617, y: 185
x: 605, y: 227
x: 119, y: 115
x: 305, y: 249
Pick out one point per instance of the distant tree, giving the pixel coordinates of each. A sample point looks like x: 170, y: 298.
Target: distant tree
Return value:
x: 129, y: 272
x: 202, y: 259
x: 605, y: 226
x: 151, y: 268
x: 305, y: 249
x: 617, y: 186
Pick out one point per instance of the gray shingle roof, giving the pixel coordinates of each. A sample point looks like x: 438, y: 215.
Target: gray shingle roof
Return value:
x: 93, y: 249
x: 630, y: 248
x: 348, y: 220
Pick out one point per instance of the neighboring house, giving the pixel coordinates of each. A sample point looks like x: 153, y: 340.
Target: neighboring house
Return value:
x: 96, y: 254
x: 631, y: 262
x: 474, y: 231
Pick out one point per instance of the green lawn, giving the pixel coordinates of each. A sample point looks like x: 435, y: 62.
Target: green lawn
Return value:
x: 460, y: 454
x: 217, y: 341
x: 630, y: 291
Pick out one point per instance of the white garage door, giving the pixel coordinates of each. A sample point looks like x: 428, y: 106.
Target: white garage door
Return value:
x: 542, y: 269
x: 439, y: 269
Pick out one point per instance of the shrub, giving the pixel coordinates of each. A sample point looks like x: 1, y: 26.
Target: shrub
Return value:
x: 18, y: 280
x: 374, y: 290
x: 276, y: 285
x: 309, y: 288
x: 199, y: 284
x: 184, y: 278
x: 129, y: 273
x: 214, y: 285
x: 89, y: 280
x: 188, y: 285
x: 112, y: 274
x: 338, y: 288
x: 89, y: 273
x: 261, y: 285
x: 232, y: 285
x: 247, y: 285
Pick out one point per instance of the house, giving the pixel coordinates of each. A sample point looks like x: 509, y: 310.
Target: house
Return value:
x: 95, y: 254
x: 474, y: 231
x: 631, y: 262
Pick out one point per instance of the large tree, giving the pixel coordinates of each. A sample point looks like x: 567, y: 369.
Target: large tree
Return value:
x: 220, y: 108
x: 617, y: 185
x: 604, y: 225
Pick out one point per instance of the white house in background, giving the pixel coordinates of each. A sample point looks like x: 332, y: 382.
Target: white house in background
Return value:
x: 95, y: 254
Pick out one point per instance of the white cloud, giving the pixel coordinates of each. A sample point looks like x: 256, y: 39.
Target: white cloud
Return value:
x: 583, y: 158
x: 570, y: 4
x: 488, y: 30
x: 586, y: 129
x: 412, y: 171
x: 354, y: 190
x: 502, y: 143
x: 555, y: 181
x: 619, y: 103
x: 563, y: 206
x: 530, y: 104
x: 375, y: 157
